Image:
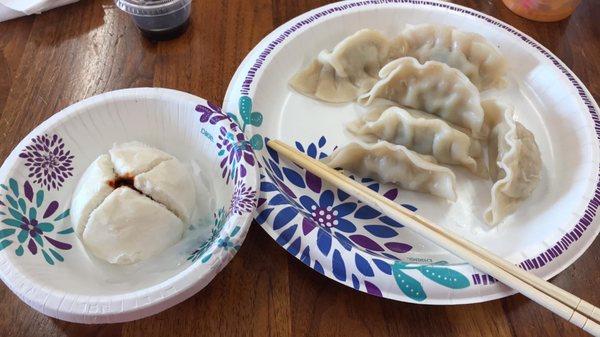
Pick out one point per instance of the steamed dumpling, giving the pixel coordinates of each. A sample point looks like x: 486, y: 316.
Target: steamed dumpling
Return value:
x: 470, y: 53
x: 133, y: 203
x: 169, y: 183
x: 134, y: 158
x: 434, y: 88
x: 128, y: 227
x: 395, y: 164
x: 346, y: 72
x: 351, y: 68
x: 91, y: 190
x: 421, y: 133
x: 515, y: 161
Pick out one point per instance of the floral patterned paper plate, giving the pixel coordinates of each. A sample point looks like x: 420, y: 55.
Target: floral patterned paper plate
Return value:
x: 351, y: 243
x: 43, y: 262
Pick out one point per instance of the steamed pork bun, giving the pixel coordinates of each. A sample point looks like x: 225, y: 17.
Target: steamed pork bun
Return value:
x: 166, y: 183
x: 91, y: 191
x: 128, y: 227
x: 132, y: 203
x: 133, y: 158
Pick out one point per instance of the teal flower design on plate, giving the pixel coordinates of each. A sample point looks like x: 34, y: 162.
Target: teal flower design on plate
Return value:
x: 27, y: 227
x: 223, y: 242
x: 437, y: 273
x: 226, y: 243
x: 220, y: 218
x: 249, y: 117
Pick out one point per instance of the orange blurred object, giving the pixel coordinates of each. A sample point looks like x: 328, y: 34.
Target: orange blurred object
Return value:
x: 542, y: 10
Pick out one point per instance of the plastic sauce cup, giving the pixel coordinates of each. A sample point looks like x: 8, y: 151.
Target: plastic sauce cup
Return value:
x: 543, y: 10
x: 158, y: 19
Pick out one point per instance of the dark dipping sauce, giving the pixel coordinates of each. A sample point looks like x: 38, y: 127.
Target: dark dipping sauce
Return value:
x: 120, y: 181
x: 158, y: 20
x: 164, y: 27
x: 165, y: 34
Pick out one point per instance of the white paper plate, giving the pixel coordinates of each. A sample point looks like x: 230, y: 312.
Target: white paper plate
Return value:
x: 49, y: 268
x: 368, y: 251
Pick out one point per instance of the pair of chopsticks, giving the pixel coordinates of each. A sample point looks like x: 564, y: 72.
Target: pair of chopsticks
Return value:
x: 553, y: 298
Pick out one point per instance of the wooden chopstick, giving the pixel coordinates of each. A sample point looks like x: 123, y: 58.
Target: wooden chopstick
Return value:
x: 553, y: 298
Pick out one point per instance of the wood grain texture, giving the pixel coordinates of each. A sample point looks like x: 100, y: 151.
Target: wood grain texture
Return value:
x: 50, y: 61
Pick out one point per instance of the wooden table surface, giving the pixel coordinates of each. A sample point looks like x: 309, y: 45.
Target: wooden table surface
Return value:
x: 50, y: 61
